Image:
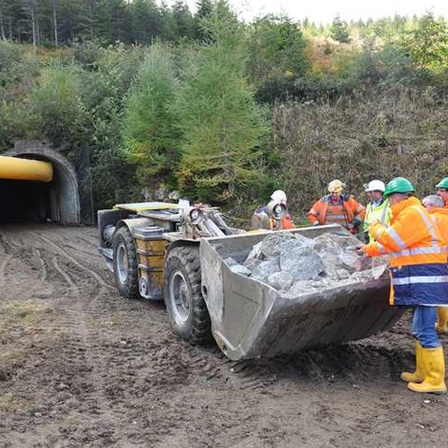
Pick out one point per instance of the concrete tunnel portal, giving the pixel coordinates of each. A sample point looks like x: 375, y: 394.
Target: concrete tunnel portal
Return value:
x: 27, y: 194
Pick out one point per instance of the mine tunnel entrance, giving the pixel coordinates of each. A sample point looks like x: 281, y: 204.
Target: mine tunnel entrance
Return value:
x: 25, y: 201
x: 30, y: 201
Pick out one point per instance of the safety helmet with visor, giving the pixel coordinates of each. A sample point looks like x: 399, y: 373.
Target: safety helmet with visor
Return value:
x: 279, y: 196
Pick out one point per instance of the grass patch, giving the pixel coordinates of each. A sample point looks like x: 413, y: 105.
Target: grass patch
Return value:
x: 24, y: 316
x: 11, y: 403
x: 10, y: 361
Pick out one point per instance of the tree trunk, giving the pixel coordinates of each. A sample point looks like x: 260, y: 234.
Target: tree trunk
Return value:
x: 10, y: 27
x: 38, y: 36
x: 33, y: 24
x: 91, y: 21
x: 31, y: 13
x: 55, y: 24
x: 2, y: 28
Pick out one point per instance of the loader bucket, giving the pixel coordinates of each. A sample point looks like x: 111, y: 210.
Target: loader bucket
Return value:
x: 251, y: 319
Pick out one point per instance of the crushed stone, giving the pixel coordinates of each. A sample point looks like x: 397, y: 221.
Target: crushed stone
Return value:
x: 295, y: 265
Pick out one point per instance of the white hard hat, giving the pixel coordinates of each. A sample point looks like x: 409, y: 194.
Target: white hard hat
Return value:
x: 279, y: 196
x: 375, y: 185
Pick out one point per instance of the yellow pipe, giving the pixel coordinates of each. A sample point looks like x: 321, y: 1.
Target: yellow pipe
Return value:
x: 24, y: 169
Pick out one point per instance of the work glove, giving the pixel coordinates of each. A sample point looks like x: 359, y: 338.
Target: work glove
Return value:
x: 352, y: 229
x: 360, y: 249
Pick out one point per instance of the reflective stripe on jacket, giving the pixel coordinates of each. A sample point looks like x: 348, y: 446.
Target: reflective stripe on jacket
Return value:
x: 344, y: 212
x: 440, y: 215
x: 381, y: 213
x: 419, y: 272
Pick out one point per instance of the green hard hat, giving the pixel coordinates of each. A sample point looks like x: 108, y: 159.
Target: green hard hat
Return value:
x: 443, y: 183
x: 398, y: 185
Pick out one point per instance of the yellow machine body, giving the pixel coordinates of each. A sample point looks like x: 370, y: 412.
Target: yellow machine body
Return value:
x: 151, y: 259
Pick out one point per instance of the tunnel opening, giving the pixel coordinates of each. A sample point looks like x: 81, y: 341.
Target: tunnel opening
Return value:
x: 29, y: 201
x: 24, y: 201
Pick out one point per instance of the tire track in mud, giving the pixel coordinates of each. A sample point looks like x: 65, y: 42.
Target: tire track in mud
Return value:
x: 10, y: 251
x: 12, y: 248
x: 350, y: 363
x: 324, y: 364
x: 63, y: 253
x: 113, y: 366
x: 337, y: 363
x: 79, y: 351
x: 111, y: 371
x: 4, y: 265
x: 83, y: 359
x: 40, y: 264
x: 212, y: 365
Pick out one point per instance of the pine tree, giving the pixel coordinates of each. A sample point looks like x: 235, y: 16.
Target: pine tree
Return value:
x: 221, y: 123
x: 339, y: 31
x: 203, y: 9
x: 151, y: 138
x: 147, y: 21
x: 183, y: 20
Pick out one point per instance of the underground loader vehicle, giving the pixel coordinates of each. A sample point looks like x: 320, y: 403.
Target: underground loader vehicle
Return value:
x: 178, y: 253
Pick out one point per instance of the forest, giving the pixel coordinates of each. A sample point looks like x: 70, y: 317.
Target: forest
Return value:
x: 159, y: 99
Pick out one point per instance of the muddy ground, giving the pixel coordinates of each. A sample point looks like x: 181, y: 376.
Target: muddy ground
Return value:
x: 82, y: 367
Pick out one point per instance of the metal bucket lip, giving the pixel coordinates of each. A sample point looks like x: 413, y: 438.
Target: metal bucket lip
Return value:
x: 353, y: 286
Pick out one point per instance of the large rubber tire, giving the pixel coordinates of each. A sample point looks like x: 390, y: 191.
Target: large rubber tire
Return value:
x: 183, y: 298
x: 125, y: 264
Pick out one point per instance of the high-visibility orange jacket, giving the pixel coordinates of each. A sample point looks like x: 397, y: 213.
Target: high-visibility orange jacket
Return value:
x: 419, y: 272
x: 287, y: 222
x: 440, y: 214
x: 346, y: 211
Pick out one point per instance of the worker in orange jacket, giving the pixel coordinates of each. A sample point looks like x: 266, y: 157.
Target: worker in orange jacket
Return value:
x: 337, y: 208
x: 435, y: 206
x: 262, y: 219
x: 419, y: 278
x: 442, y: 190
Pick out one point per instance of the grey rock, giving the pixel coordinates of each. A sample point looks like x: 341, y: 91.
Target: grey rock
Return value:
x: 350, y: 260
x: 266, y: 268
x: 271, y: 245
x: 342, y: 273
x: 297, y: 265
x: 255, y: 256
x: 300, y: 260
x: 280, y: 280
x: 240, y: 269
x: 230, y: 262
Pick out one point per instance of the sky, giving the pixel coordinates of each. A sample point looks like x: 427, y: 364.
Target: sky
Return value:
x: 324, y: 11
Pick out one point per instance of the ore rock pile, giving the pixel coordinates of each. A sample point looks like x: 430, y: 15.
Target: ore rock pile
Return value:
x: 294, y: 264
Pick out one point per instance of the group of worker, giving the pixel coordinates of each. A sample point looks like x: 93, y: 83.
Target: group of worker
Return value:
x: 414, y: 234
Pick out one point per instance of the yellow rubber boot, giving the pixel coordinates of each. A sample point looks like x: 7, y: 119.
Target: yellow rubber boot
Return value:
x: 434, y: 361
x: 419, y: 375
x: 442, y: 319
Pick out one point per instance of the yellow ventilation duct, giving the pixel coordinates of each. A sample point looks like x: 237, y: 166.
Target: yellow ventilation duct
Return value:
x: 24, y: 169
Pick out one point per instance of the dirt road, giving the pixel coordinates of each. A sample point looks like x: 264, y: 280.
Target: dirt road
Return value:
x: 82, y: 367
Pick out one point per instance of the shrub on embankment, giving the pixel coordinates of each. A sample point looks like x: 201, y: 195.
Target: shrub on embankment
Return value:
x: 382, y: 133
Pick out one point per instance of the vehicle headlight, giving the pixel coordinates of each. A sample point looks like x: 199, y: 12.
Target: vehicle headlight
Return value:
x: 196, y: 216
